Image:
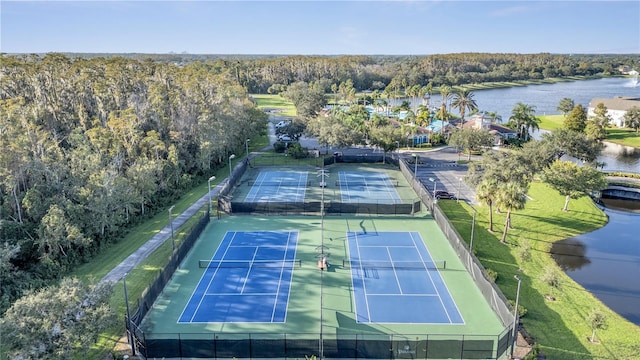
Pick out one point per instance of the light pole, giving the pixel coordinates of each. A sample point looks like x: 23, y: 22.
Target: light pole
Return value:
x: 173, y: 240
x: 246, y: 147
x: 209, y: 191
x: 415, y: 170
x: 515, y: 317
x: 473, y: 228
x: 459, y: 186
x: 231, y: 157
x: 129, y: 321
x: 435, y: 185
x: 398, y: 146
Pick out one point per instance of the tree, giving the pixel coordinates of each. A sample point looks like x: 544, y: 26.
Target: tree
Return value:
x: 463, y: 100
x: 551, y: 278
x: 307, y: 98
x: 470, y: 139
x: 565, y: 106
x: 598, y: 123
x: 57, y: 321
x: 523, y: 120
x: 445, y: 94
x: 632, y: 118
x: 511, y: 197
x: 576, y: 120
x: 562, y: 142
x: 386, y: 137
x: 573, y: 181
x: 597, y: 321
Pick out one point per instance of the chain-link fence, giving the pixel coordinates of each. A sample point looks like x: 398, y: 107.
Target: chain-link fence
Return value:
x: 339, y: 346
x: 150, y: 295
x: 489, y: 289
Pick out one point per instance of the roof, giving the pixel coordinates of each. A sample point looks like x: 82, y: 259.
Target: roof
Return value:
x: 622, y: 103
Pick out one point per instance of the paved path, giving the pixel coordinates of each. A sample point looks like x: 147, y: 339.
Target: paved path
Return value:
x: 163, y: 235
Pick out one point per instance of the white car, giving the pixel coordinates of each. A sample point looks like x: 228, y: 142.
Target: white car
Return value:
x: 282, y: 123
x: 284, y: 137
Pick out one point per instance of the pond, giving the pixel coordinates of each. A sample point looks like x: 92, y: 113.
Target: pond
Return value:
x: 606, y: 261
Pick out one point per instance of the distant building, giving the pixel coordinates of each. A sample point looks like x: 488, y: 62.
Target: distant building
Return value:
x: 616, y: 108
x: 500, y: 132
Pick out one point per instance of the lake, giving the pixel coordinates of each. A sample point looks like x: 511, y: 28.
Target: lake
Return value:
x: 545, y: 99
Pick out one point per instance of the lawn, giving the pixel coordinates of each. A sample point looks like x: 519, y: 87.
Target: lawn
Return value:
x: 285, y: 107
x: 551, y: 122
x: 559, y: 327
x: 627, y: 137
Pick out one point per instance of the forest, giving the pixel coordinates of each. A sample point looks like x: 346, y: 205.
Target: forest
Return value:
x: 94, y: 144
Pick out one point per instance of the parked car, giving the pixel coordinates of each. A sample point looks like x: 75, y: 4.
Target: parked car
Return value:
x: 284, y: 137
x: 441, y: 194
x: 282, y: 124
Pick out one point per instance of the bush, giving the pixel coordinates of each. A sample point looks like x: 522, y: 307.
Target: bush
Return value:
x: 522, y: 311
x: 280, y: 146
x: 297, y: 151
x: 491, y: 274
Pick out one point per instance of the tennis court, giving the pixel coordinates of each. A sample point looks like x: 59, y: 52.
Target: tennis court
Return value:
x: 367, y: 186
x: 395, y: 280
x: 248, y: 279
x: 274, y: 186
x: 250, y: 287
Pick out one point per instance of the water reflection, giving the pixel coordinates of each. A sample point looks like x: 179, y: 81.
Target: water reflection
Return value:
x: 606, y: 261
x: 570, y: 254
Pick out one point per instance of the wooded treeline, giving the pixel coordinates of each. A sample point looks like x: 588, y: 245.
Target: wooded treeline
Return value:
x: 90, y: 146
x: 380, y: 73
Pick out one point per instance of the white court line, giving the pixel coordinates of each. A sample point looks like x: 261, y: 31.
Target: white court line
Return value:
x: 431, y: 278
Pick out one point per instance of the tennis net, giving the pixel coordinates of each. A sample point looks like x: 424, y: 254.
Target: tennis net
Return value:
x: 287, y: 183
x: 373, y: 183
x: 249, y: 264
x: 415, y: 265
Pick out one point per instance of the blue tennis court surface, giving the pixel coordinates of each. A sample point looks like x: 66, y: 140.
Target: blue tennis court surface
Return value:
x: 394, y: 280
x: 278, y: 186
x: 247, y: 280
x: 367, y: 186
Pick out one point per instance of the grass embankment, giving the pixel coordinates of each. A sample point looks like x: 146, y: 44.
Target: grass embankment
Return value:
x: 142, y: 276
x: 626, y: 137
x: 559, y: 327
x: 276, y: 102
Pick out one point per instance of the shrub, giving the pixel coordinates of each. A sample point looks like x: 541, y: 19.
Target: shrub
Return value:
x: 522, y: 311
x: 280, y: 146
x: 491, y: 274
x: 297, y: 151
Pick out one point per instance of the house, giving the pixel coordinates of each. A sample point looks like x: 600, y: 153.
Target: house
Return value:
x: 616, y: 108
x: 500, y: 132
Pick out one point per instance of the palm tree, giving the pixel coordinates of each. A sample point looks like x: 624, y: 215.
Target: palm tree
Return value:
x: 523, y: 119
x: 495, y: 117
x: 510, y: 197
x: 486, y: 192
x: 445, y: 93
x: 463, y: 100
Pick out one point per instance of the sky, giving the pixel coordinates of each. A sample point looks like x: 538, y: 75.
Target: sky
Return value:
x: 306, y: 27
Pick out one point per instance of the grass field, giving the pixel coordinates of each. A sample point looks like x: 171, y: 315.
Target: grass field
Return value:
x: 627, y: 137
x: 559, y: 327
x: 284, y: 106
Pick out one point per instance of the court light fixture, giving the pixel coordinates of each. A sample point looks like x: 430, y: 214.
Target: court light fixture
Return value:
x: 209, y: 191
x: 173, y: 240
x: 231, y: 157
x: 435, y: 185
x: 515, y: 317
